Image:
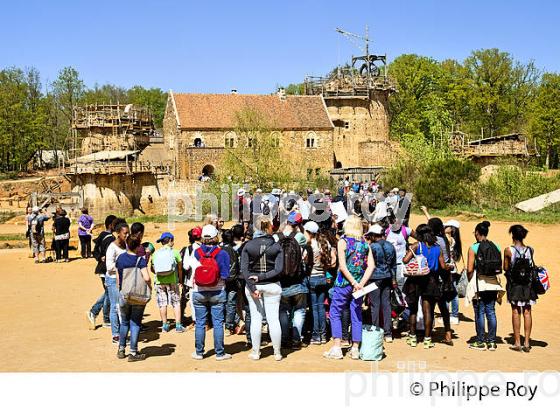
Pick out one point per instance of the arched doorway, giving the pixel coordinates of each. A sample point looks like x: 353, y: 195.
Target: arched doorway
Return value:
x: 208, y: 170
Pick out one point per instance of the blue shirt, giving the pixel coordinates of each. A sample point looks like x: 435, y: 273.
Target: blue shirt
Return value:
x: 431, y: 253
x: 385, y: 258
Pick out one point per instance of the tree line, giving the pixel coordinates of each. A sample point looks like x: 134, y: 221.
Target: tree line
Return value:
x: 490, y: 93
x: 36, y: 116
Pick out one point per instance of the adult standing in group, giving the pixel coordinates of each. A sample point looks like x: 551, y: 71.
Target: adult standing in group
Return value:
x: 61, y: 228
x: 385, y: 277
x: 37, y: 232
x: 356, y: 265
x: 324, y: 258
x: 261, y: 265
x: 131, y: 314
x: 85, y: 227
x: 102, y: 242
x: 116, y: 248
x: 425, y: 287
x: 209, y: 294
x: 518, y: 265
x: 484, y: 266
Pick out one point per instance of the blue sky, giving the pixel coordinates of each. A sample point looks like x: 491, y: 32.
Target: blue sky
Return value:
x: 214, y: 46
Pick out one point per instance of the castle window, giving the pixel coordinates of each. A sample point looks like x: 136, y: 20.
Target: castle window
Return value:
x: 311, y: 140
x: 275, y: 139
x: 229, y: 140
x: 251, y: 142
x: 346, y: 124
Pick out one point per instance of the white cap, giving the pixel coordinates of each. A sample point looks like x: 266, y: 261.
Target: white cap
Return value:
x: 209, y: 231
x: 35, y: 209
x: 240, y: 192
x: 259, y: 191
x: 311, y: 226
x: 395, y: 190
x: 453, y: 223
x: 276, y: 191
x: 376, y: 229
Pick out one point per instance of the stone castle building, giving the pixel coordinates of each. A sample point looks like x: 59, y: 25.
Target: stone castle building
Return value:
x: 323, y: 130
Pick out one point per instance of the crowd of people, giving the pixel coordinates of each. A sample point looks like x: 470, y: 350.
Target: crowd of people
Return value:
x: 292, y: 272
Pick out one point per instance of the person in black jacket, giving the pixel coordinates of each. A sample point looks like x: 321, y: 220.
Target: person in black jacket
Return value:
x: 102, y: 242
x: 61, y: 227
x: 261, y: 266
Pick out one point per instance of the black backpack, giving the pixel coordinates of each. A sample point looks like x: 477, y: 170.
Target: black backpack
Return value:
x: 233, y: 263
x: 187, y: 274
x: 522, y: 268
x: 488, y: 259
x: 292, y: 255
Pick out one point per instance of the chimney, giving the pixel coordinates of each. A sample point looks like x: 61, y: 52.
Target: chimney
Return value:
x: 234, y: 90
x: 281, y: 93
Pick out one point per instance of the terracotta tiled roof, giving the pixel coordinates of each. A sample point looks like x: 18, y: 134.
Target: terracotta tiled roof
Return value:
x: 218, y: 111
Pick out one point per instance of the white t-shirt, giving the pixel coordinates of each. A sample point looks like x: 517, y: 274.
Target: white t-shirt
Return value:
x: 113, y: 252
x: 399, y: 242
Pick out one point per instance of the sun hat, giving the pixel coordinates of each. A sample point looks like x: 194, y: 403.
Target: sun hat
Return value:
x: 453, y: 223
x: 240, y: 192
x: 165, y: 235
x: 311, y: 226
x: 209, y: 231
x: 376, y: 229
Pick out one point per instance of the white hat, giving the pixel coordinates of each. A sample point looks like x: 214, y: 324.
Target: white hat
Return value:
x: 395, y: 190
x: 35, y: 209
x: 276, y: 191
x: 240, y: 192
x: 376, y: 229
x: 453, y: 223
x: 311, y: 226
x: 209, y: 231
x: 259, y: 191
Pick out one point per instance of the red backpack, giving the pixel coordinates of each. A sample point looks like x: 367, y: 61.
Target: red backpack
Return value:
x: 208, y: 273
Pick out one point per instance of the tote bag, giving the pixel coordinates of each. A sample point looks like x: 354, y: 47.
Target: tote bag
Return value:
x: 134, y: 289
x: 372, y: 343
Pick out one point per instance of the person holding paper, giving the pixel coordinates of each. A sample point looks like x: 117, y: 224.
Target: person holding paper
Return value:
x: 384, y: 276
x: 356, y: 265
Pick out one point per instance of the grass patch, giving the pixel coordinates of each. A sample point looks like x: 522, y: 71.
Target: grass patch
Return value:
x: 6, y: 216
x: 147, y: 219
x: 12, y: 237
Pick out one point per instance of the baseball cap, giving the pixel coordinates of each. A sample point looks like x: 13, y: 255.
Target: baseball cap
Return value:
x: 35, y: 209
x: 196, y: 232
x: 294, y: 218
x: 376, y: 229
x: 165, y: 235
x: 395, y: 190
x: 453, y: 223
x: 311, y: 226
x: 209, y: 231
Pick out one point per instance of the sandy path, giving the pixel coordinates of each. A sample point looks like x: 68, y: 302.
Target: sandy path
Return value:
x: 43, y: 325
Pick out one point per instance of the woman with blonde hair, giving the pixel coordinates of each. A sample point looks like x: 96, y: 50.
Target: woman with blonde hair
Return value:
x: 356, y: 265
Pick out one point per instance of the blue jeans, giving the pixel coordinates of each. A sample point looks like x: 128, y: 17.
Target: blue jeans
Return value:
x: 485, y: 306
x: 114, y: 296
x: 212, y: 302
x: 102, y: 303
x: 292, y: 307
x: 318, y: 293
x: 232, y: 317
x: 455, y: 307
x: 380, y: 300
x: 131, y: 319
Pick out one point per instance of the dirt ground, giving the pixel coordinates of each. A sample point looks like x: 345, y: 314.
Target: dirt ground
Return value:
x: 43, y: 325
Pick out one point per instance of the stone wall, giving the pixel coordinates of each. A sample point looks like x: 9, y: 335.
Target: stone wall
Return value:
x: 359, y: 120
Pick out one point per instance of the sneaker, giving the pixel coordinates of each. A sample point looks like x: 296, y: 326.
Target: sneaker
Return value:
x: 323, y: 340
x: 121, y: 354
x: 297, y: 345
x: 355, y: 353
x: 136, y: 357
x: 411, y: 341
x: 107, y: 325
x: 428, y: 344
x: 315, y: 341
x: 278, y: 356
x: 492, y: 346
x: 165, y: 327
x: 454, y: 320
x: 388, y: 339
x: 197, y: 356
x: 254, y: 356
x: 91, y: 320
x: 225, y: 356
x: 116, y: 339
x: 478, y: 346
x: 179, y: 328
x: 334, y: 353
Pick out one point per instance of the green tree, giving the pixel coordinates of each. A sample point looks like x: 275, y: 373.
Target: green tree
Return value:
x: 105, y: 94
x: 153, y: 98
x: 545, y: 118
